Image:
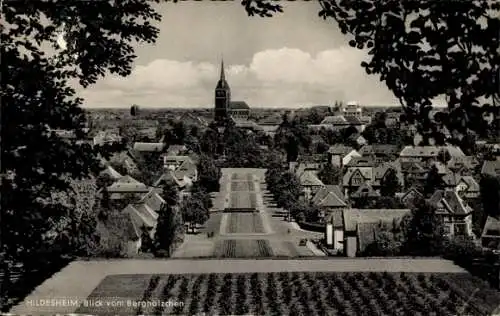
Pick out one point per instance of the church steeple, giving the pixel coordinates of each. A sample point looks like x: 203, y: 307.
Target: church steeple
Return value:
x: 222, y: 72
x: 222, y: 96
x: 222, y: 84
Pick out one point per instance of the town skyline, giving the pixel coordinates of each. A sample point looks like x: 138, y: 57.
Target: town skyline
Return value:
x: 292, y: 60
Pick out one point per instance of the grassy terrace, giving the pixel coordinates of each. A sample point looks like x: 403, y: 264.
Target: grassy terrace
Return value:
x: 298, y: 293
x: 245, y: 223
x: 243, y: 248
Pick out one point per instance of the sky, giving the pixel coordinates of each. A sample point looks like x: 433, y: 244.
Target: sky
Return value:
x: 291, y: 60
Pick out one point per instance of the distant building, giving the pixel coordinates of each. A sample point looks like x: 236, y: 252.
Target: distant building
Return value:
x: 224, y: 107
x: 352, y: 108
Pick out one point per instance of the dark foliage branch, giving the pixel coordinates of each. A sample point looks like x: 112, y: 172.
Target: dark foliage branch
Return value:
x: 38, y: 97
x: 425, y: 49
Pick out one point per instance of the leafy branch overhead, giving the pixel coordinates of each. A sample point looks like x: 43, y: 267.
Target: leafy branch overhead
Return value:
x: 427, y: 49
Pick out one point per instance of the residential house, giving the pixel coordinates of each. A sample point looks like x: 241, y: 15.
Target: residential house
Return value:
x: 126, y: 160
x: 310, y: 184
x: 335, y: 230
x: 410, y: 197
x: 339, y: 122
x: 414, y: 173
x: 468, y: 188
x: 141, y: 147
x: 462, y: 165
x: 173, y: 162
x: 357, y: 139
x: 454, y: 212
x: 106, y: 137
x: 118, y: 232
x: 365, y: 191
x: 361, y: 226
x: 380, y: 153
x: 126, y: 186
x: 340, y: 155
x: 111, y: 173
x: 187, y: 169
x: 329, y: 198
x: 270, y: 124
x: 392, y: 119
x: 183, y: 184
x: 176, y: 150
x: 144, y: 213
x: 426, y: 153
x: 382, y: 170
x: 359, y: 170
x: 352, y: 108
x: 490, y: 237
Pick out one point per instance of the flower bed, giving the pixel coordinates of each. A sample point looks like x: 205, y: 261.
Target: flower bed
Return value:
x: 302, y: 293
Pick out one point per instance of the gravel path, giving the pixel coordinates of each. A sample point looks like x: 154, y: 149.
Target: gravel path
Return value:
x: 79, y: 278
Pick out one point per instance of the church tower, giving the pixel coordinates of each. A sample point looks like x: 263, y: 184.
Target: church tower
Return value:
x: 222, y: 97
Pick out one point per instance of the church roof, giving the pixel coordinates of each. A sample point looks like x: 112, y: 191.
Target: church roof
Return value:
x: 238, y: 105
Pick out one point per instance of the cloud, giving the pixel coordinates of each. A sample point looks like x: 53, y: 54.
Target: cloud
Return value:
x: 287, y: 77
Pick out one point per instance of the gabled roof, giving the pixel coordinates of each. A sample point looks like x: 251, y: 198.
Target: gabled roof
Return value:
x: 419, y: 151
x: 274, y: 119
x: 112, y: 173
x: 186, y: 169
x: 309, y: 178
x: 335, y: 120
x: 169, y: 176
x: 365, y: 190
x: 329, y: 196
x: 353, y: 217
x: 472, y: 185
x: 141, y: 215
x: 450, y: 179
x: 149, y: 147
x: 153, y: 200
x: 127, y: 179
x: 331, y: 200
x: 238, y: 105
x: 366, y: 173
x: 127, y: 184
x: 122, y: 224
x: 451, y: 202
x: 378, y: 149
x: 361, y: 162
x: 352, y: 120
x: 340, y: 149
x: 491, y: 227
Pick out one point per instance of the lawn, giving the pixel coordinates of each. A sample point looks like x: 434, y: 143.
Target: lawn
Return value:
x: 243, y: 200
x: 242, y: 249
x: 244, y: 223
x: 242, y: 186
x: 297, y: 293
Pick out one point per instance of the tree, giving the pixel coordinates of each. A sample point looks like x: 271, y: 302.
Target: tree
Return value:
x: 404, y: 40
x: 490, y: 195
x: 169, y: 230
x: 389, y: 185
x: 424, y: 231
x: 330, y: 174
x: 194, y: 212
x: 170, y: 193
x: 444, y: 156
x: 93, y: 38
x: 385, y: 244
x: 433, y: 182
x: 209, y: 174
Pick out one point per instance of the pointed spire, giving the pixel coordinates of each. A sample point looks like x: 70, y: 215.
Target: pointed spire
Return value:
x: 222, y: 74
